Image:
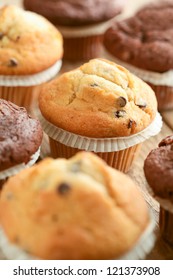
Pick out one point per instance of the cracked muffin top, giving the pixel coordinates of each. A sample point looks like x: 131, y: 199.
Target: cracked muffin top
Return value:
x: 25, y: 42
x: 144, y: 40
x: 158, y: 168
x: 75, y: 12
x: 60, y: 203
x: 20, y: 135
x: 99, y: 99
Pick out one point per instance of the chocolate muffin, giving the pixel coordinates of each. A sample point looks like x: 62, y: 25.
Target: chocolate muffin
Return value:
x: 145, y: 41
x: 20, y: 135
x: 75, y: 12
x: 158, y: 169
x: 82, y: 23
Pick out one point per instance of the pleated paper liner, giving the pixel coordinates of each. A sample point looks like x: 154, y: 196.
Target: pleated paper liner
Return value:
x: 76, y: 49
x: 17, y: 168
x: 165, y: 217
x: 24, y: 90
x: 84, y: 42
x: 143, y: 246
x: 118, y: 152
x: 164, y: 96
x: 161, y: 83
x: 121, y: 160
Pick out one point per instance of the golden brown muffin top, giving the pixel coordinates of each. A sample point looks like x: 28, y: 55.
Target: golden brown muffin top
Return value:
x: 99, y: 99
x: 28, y: 42
x: 73, y: 209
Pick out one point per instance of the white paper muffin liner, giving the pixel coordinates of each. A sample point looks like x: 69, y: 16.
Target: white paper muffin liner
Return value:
x: 164, y: 202
x: 143, y: 246
x: 85, y: 31
x: 155, y: 78
x: 98, y: 145
x: 31, y: 80
x: 17, y: 168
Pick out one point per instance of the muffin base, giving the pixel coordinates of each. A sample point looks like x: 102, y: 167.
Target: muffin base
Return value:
x: 164, y: 95
x: 83, y: 48
x: 166, y: 225
x: 121, y: 160
x: 20, y: 95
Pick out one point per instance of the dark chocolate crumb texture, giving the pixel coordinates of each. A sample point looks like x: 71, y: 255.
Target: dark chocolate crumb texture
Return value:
x: 75, y: 12
x: 20, y: 135
x: 158, y: 169
x: 144, y: 40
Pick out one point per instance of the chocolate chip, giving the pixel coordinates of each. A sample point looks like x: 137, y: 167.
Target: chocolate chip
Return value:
x: 1, y: 35
x: 94, y: 85
x: 131, y: 124
x: 120, y: 113
x: 63, y: 188
x: 17, y: 38
x: 141, y: 103
x: 122, y: 101
x: 12, y: 62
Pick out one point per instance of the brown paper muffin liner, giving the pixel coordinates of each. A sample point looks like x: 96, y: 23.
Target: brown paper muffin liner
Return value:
x: 22, y: 96
x: 118, y: 152
x: 143, y: 246
x: 165, y: 216
x: 83, y: 48
x: 24, y: 90
x: 164, y: 96
x: 121, y: 160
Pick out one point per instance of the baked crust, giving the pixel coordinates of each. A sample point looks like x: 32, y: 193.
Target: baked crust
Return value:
x: 158, y: 169
x: 76, y: 12
x: 99, y: 99
x: 73, y: 209
x: 144, y: 40
x: 28, y: 43
x: 20, y: 135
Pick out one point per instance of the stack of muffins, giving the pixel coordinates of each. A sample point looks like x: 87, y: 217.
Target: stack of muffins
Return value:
x: 68, y: 204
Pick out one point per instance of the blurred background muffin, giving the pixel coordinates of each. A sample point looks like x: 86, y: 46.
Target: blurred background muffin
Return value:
x: 20, y: 139
x: 99, y: 107
x: 82, y: 23
x: 75, y: 209
x: 26, y: 61
x: 143, y: 44
x: 158, y: 170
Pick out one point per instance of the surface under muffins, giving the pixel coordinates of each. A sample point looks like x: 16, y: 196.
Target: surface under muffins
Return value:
x: 67, y: 208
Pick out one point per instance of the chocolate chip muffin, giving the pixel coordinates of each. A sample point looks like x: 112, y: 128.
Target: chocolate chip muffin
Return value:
x: 145, y: 41
x: 20, y: 136
x: 158, y: 170
x: 82, y: 23
x: 73, y: 209
x: 26, y: 60
x: 100, y: 99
